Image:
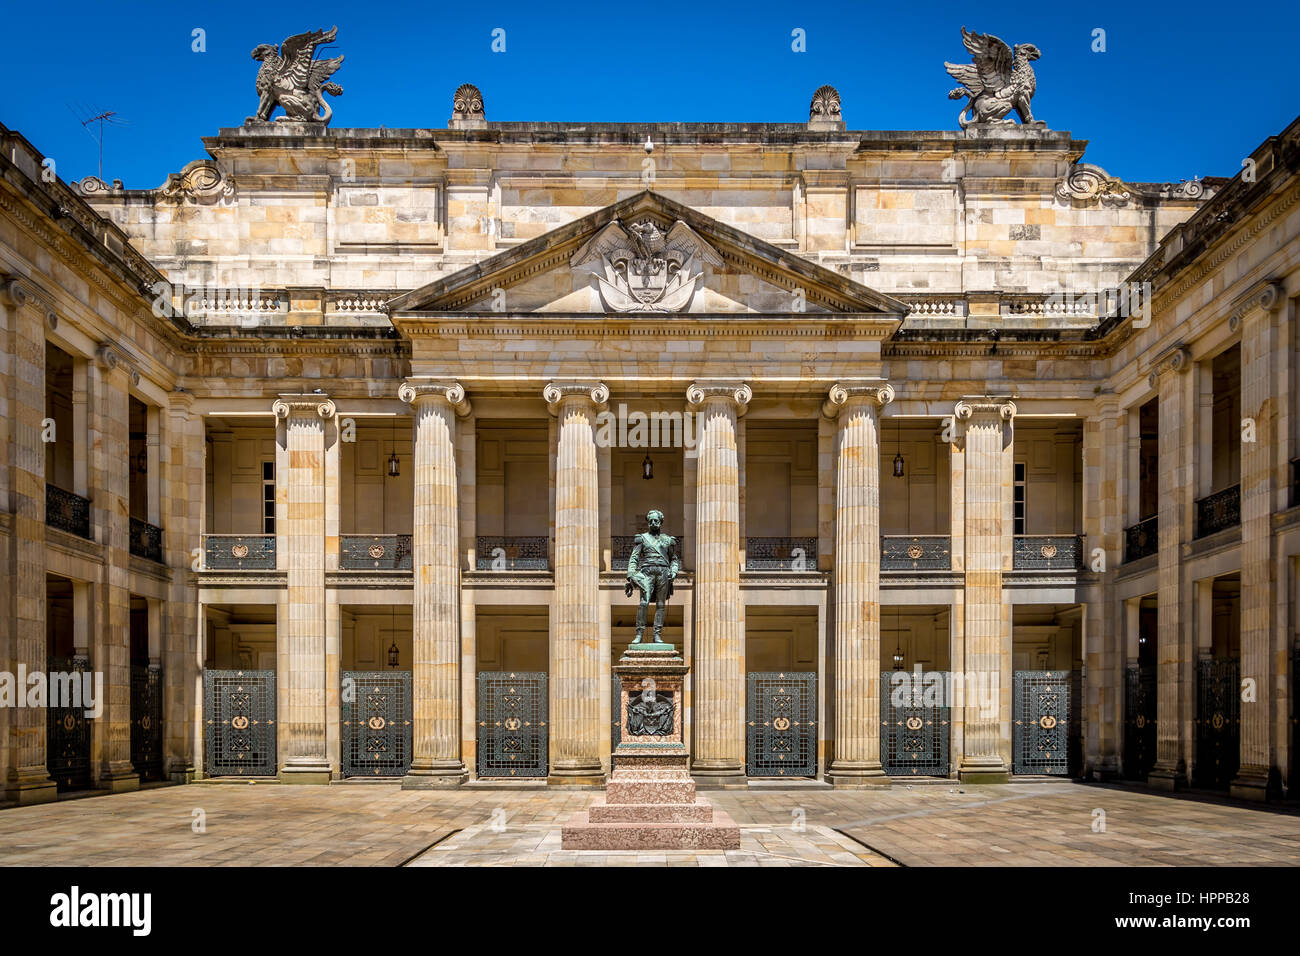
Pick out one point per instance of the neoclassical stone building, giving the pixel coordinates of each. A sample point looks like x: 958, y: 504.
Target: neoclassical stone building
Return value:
x: 328, y: 454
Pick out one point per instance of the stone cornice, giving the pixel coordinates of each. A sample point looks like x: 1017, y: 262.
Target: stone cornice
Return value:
x: 556, y: 394
x: 415, y: 391
x: 738, y: 393
x: 841, y: 393
x: 687, y: 325
x: 303, y: 406
x: 1176, y: 359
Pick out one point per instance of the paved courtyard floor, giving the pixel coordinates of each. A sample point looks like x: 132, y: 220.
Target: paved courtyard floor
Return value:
x: 263, y: 824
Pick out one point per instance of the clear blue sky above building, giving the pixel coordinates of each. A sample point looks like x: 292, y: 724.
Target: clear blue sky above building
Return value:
x: 1182, y: 89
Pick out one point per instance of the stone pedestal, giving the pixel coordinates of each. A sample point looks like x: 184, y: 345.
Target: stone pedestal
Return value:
x: 650, y: 801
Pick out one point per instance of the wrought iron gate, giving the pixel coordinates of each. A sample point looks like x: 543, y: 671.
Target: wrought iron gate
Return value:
x: 239, y: 723
x: 1218, y: 721
x: 781, y: 732
x: 1139, y: 721
x: 146, y: 721
x: 376, y: 715
x: 67, y: 730
x: 513, y: 726
x: 1041, y: 729
x: 914, y: 730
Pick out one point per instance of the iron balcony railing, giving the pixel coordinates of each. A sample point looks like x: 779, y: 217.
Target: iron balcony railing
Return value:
x: 146, y: 540
x: 915, y: 552
x: 375, y: 552
x: 67, y: 512
x: 1218, y: 511
x: 780, y: 554
x: 239, y: 552
x: 1047, y: 552
x: 514, y: 553
x: 1141, y: 539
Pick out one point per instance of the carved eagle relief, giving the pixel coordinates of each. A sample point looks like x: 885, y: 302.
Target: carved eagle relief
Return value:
x: 998, y: 81
x: 292, y: 78
x: 644, y: 269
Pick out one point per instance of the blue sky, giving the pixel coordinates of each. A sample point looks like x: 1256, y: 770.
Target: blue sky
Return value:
x: 1183, y: 89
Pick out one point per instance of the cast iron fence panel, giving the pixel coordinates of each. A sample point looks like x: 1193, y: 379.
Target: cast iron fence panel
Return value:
x: 1218, y: 511
x: 67, y: 512
x: 515, y: 553
x: 513, y: 727
x: 67, y: 729
x: 780, y: 554
x: 914, y: 733
x: 1048, y: 552
x: 1041, y: 729
x: 146, y: 540
x: 918, y: 552
x: 376, y: 714
x: 375, y: 552
x: 1218, y: 721
x: 781, y: 724
x: 239, y: 552
x: 1141, y: 539
x: 146, y: 721
x: 621, y: 545
x: 239, y: 723
x: 1139, y: 721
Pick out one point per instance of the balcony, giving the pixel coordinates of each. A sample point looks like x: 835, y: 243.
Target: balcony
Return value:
x: 67, y: 512
x: 781, y: 554
x: 146, y: 540
x: 518, y: 553
x: 1141, y: 539
x: 1218, y: 511
x: 1047, y: 552
x: 239, y: 552
x: 621, y: 546
x: 915, y: 552
x: 375, y: 552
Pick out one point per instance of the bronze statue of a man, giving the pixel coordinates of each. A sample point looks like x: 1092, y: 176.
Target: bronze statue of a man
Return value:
x: 651, y: 568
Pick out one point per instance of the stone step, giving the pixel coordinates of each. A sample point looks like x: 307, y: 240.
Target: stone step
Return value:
x: 649, y: 773
x: 650, y: 791
x: 602, y: 812
x: 580, y: 833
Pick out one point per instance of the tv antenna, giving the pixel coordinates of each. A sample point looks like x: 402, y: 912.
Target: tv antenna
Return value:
x: 101, y: 117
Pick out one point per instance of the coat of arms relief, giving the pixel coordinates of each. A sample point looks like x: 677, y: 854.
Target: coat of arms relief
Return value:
x: 644, y: 269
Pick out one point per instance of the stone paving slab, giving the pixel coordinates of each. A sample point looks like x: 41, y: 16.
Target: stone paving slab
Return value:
x: 382, y: 825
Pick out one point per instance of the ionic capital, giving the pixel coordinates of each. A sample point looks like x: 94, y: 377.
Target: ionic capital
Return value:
x: 299, y: 406
x: 414, y: 391
x: 1176, y: 359
x: 968, y: 408
x: 1266, y: 296
x: 876, y: 390
x: 556, y: 393
x: 110, y: 357
x: 737, y: 393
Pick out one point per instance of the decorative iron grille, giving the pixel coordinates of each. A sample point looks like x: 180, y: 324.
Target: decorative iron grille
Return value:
x: 239, y: 723
x: 1218, y: 511
x: 513, y: 727
x: 1142, y: 539
x: 1047, y: 552
x: 375, y: 552
x: 921, y: 552
x: 146, y: 721
x: 146, y: 540
x: 780, y: 554
x: 67, y: 729
x: 1041, y: 729
x: 376, y: 714
x: 621, y: 545
x: 67, y: 512
x: 239, y: 552
x: 781, y: 725
x: 516, y: 553
x: 1218, y: 721
x: 1139, y: 721
x: 914, y: 732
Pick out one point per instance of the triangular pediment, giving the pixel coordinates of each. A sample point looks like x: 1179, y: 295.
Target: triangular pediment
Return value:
x: 646, y: 255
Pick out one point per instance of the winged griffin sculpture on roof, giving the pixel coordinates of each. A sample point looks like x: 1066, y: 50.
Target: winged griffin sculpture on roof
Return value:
x: 291, y: 77
x: 999, y: 80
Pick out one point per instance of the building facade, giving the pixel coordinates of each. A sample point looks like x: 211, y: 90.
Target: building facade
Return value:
x: 328, y: 455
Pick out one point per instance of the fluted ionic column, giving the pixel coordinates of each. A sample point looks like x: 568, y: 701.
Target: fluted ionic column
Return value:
x: 719, y: 647
x: 300, y: 487
x: 987, y: 423
x: 856, y: 409
x: 435, y: 608
x: 576, y: 669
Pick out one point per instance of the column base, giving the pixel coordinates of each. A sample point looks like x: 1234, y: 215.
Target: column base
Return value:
x: 118, y: 780
x: 308, y: 770
x: 857, y: 775
x: 441, y: 776
x: 1250, y: 785
x: 27, y: 791
x: 979, y: 770
x: 576, y: 773
x: 1167, y: 778
x: 719, y: 775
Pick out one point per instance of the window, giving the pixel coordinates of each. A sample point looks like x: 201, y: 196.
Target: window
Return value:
x: 268, y: 497
x: 1019, y: 499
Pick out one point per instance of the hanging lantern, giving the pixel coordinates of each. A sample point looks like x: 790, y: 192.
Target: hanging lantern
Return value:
x: 898, y: 465
x: 898, y: 657
x: 647, y: 467
x: 393, y: 654
x: 394, y: 465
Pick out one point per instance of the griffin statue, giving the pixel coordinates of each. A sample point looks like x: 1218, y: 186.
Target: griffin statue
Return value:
x: 291, y: 78
x: 999, y: 81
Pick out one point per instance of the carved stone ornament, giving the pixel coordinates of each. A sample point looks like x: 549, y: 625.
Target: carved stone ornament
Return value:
x: 697, y: 393
x: 968, y: 408
x: 1177, y: 359
x: 824, y: 111
x: 303, y: 405
x: 1000, y: 79
x: 201, y: 181
x: 556, y: 392
x: 840, y: 393
x: 1267, y: 296
x: 644, y: 269
x: 413, y: 391
x: 467, y: 107
x: 290, y: 77
x: 1086, y: 183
